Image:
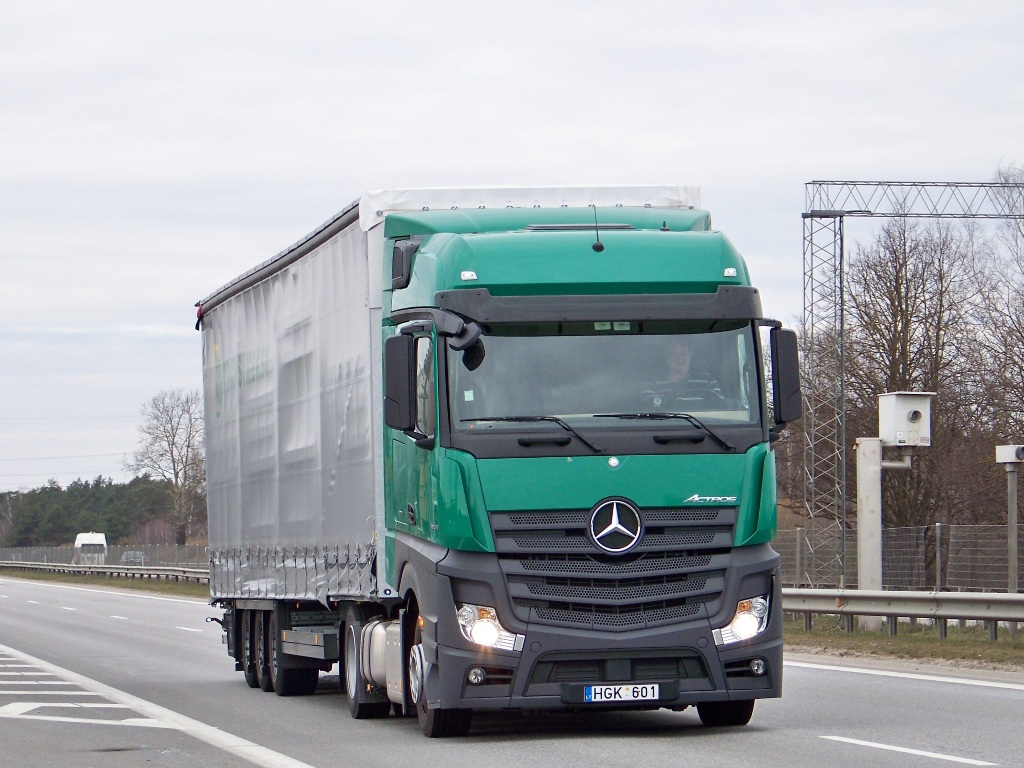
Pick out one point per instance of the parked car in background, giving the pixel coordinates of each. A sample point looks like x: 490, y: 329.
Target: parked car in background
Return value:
x: 133, y: 557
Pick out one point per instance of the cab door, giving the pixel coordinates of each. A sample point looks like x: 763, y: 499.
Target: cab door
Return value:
x: 412, y: 506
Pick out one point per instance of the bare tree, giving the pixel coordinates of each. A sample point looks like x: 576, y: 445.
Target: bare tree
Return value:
x: 914, y: 296
x: 8, y: 504
x: 172, y: 448
x: 1003, y: 314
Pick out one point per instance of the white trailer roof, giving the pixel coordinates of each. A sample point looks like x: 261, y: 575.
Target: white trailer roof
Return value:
x: 375, y: 205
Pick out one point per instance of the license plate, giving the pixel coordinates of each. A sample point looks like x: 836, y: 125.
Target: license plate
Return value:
x: 606, y: 694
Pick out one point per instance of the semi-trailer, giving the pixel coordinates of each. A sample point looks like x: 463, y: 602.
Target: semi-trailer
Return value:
x: 500, y: 449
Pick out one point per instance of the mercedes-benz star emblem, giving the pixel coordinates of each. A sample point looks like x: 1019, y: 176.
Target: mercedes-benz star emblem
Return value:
x: 615, y: 526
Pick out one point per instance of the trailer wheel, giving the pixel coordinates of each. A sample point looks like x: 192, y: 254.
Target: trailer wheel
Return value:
x: 435, y: 723
x: 248, y: 650
x: 363, y: 702
x: 720, y: 714
x: 262, y: 652
x: 288, y: 681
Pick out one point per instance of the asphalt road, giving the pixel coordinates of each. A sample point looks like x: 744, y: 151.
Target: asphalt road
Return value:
x: 94, y: 677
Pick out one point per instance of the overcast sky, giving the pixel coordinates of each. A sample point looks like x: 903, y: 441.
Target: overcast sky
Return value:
x: 150, y: 152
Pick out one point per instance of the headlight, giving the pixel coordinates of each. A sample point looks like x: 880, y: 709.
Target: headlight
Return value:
x: 480, y: 625
x: 751, y: 619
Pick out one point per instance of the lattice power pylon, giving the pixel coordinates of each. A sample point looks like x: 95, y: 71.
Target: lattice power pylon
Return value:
x: 828, y: 204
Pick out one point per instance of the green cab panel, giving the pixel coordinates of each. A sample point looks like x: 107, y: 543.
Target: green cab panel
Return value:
x: 580, y: 482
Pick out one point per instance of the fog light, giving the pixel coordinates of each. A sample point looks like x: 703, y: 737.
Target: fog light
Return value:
x: 476, y: 676
x: 758, y: 667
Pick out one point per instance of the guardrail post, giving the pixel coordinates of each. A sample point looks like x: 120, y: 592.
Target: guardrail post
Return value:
x: 943, y: 628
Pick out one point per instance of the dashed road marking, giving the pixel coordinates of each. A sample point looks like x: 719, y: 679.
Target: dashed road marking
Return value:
x: 908, y: 751
x: 908, y: 675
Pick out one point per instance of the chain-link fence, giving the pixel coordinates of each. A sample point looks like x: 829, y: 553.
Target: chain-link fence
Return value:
x: 182, y: 556
x: 949, y: 557
x: 966, y: 558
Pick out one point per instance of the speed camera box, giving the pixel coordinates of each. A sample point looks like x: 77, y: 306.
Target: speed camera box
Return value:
x: 905, y: 419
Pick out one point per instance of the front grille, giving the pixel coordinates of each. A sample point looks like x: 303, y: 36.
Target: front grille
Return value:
x: 556, y: 574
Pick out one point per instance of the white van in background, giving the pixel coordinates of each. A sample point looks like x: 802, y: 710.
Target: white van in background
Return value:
x: 91, y: 549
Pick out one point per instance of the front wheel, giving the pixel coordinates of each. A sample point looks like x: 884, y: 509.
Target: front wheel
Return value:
x: 435, y: 723
x: 720, y: 714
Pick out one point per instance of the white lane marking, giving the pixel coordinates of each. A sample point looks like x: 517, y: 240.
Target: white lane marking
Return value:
x: 122, y: 618
x: 132, y: 722
x: 140, y: 595
x: 189, y: 629
x: 24, y: 707
x: 33, y: 673
x: 34, y: 602
x: 36, y: 682
x: 228, y: 742
x: 23, y: 692
x: 68, y: 608
x: 908, y: 675
x: 907, y: 751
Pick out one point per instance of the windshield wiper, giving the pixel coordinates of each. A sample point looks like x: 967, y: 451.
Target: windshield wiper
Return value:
x: 665, y: 416
x: 554, y: 419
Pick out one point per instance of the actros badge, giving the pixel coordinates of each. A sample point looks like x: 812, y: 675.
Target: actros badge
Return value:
x: 615, y: 526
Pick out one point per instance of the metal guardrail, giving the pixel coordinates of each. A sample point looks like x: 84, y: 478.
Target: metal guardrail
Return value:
x: 989, y: 607
x: 168, y: 573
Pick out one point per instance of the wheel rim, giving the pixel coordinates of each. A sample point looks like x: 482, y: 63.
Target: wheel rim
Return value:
x: 272, y: 654
x: 261, y: 642
x: 247, y: 641
x: 416, y: 672
x: 350, y: 663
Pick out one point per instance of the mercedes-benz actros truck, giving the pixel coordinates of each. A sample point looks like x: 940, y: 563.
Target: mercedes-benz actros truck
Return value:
x: 500, y: 449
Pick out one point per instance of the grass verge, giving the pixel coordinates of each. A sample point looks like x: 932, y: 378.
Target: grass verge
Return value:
x: 162, y: 586
x: 963, y: 646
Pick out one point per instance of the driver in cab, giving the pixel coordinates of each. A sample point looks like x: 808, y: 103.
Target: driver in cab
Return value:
x: 682, y: 383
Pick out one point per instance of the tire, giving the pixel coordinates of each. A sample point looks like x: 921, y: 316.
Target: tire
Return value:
x: 435, y: 723
x: 288, y: 681
x: 248, y: 650
x: 263, y: 652
x: 723, y: 714
x: 363, y: 703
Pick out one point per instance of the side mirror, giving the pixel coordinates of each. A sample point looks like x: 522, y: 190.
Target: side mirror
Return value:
x: 786, y: 376
x: 401, y: 264
x: 400, y: 382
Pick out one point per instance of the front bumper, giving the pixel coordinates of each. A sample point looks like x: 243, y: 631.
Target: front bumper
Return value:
x: 556, y: 663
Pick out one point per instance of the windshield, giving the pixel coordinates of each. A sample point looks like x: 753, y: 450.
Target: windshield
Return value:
x: 591, y: 373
